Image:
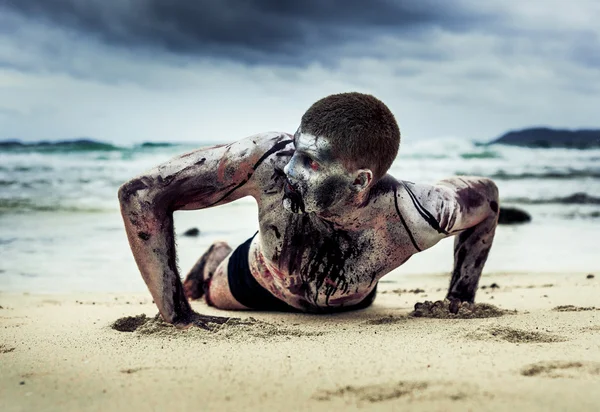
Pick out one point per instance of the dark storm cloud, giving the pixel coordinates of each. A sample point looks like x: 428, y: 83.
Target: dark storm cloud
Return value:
x: 255, y: 31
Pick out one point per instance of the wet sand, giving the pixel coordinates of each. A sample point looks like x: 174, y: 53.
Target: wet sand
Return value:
x: 537, y: 349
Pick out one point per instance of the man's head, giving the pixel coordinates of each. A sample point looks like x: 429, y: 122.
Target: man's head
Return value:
x: 345, y: 143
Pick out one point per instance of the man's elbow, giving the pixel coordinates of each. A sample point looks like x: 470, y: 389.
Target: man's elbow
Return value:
x: 492, y: 195
x: 492, y: 189
x: 476, y: 199
x: 131, y: 190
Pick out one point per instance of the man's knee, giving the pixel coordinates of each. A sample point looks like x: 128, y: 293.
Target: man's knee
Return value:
x: 197, y: 281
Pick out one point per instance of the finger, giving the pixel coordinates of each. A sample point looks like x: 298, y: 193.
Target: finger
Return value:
x: 182, y: 326
x: 202, y: 325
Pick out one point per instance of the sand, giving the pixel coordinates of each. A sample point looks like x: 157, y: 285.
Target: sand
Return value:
x: 533, y: 345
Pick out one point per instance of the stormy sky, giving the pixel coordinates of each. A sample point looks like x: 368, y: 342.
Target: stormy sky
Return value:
x: 208, y: 70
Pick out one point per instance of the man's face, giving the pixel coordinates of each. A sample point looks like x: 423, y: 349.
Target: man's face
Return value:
x: 316, y: 181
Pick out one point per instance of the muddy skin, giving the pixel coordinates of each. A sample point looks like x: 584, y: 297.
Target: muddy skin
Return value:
x: 471, y: 249
x: 327, y: 234
x: 406, y: 228
x: 274, y: 149
x: 425, y: 214
x: 319, y: 254
x: 293, y: 196
x: 385, y: 185
x: 326, y: 194
x: 198, y: 279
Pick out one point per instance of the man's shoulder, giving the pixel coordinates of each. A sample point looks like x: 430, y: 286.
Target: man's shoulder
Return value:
x: 405, y: 192
x: 255, y: 154
x: 269, y: 142
x: 267, y: 154
x: 423, y: 195
x: 432, y: 208
x: 263, y: 148
x: 418, y: 210
x: 268, y: 146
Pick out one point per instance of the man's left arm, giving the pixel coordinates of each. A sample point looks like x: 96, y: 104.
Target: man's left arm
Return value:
x: 474, y: 204
x: 465, y: 207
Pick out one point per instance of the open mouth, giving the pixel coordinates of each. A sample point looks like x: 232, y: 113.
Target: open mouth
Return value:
x: 289, y: 189
x: 294, y: 196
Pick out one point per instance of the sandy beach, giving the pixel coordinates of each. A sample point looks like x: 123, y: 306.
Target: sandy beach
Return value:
x: 67, y: 275
x: 341, y: 135
x: 62, y: 352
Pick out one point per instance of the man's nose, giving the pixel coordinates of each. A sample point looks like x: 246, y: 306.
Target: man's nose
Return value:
x: 289, y: 168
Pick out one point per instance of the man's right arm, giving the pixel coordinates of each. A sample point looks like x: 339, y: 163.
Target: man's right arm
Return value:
x: 196, y: 180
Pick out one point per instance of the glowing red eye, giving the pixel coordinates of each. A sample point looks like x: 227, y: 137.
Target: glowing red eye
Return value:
x: 310, y: 163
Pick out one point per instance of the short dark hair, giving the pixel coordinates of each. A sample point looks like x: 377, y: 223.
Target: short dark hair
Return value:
x: 362, y: 130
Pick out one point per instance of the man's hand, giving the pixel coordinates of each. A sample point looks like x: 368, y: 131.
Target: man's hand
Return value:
x: 452, y: 309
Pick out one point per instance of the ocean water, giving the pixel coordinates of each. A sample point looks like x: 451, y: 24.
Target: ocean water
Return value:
x: 61, y: 231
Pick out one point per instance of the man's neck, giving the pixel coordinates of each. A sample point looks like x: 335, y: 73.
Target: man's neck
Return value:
x: 347, y: 215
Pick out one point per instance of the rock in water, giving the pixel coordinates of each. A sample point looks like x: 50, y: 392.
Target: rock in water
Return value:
x: 193, y: 232
x: 512, y: 215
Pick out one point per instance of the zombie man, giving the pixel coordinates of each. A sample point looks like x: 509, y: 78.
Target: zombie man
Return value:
x: 331, y: 221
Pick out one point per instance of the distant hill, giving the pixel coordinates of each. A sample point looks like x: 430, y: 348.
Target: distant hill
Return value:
x: 546, y: 137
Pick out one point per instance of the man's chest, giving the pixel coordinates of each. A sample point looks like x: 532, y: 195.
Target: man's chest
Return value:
x: 313, y: 261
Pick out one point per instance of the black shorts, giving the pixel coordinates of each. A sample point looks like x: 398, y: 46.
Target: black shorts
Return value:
x: 247, y: 291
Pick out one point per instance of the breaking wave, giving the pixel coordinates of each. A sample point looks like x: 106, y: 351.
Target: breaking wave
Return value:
x: 579, y: 198
x: 29, y: 205
x: 76, y: 146
x: 561, y: 175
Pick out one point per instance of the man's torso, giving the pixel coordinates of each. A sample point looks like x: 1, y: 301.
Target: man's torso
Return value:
x: 311, y: 264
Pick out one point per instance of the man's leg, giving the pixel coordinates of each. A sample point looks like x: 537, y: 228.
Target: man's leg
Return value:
x: 209, y: 278
x: 204, y: 269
